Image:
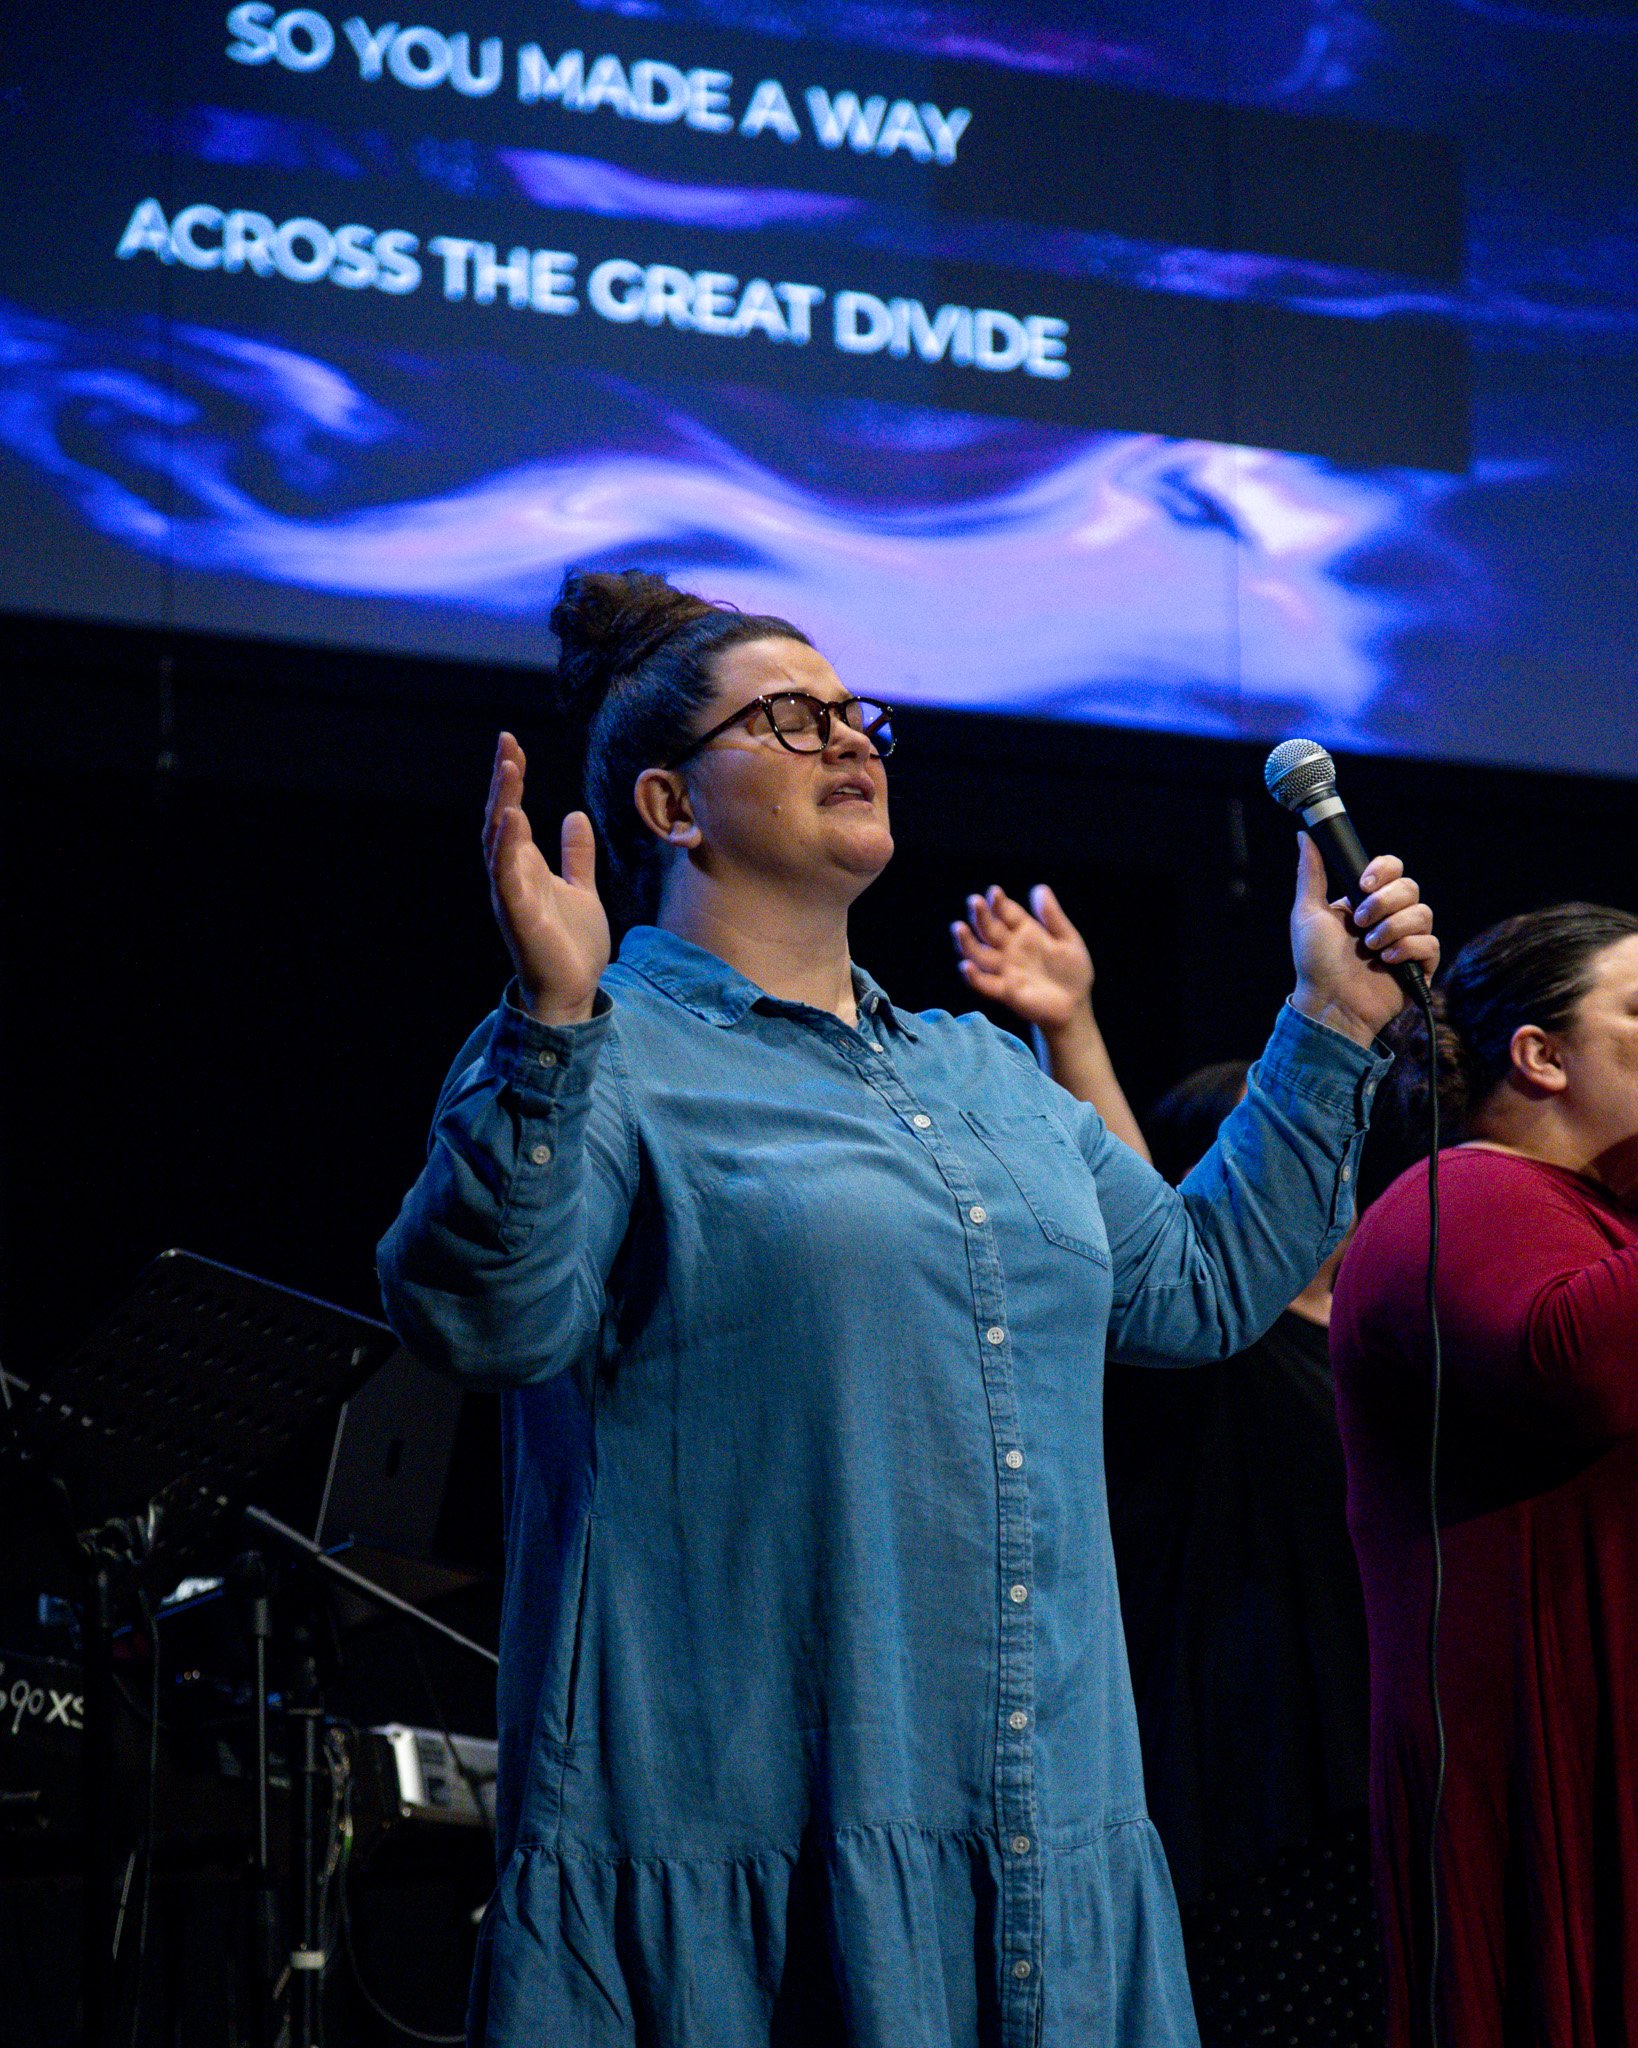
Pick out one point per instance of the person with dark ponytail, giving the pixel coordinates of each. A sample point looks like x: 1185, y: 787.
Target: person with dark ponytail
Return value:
x: 1537, y: 1496
x: 815, y: 1724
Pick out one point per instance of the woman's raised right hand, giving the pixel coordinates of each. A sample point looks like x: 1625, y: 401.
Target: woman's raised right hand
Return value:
x: 555, y: 926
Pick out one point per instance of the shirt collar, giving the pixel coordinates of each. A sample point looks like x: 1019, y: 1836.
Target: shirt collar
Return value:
x: 717, y: 992
x: 873, y: 1002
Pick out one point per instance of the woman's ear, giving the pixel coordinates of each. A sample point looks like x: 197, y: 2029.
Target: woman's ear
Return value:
x: 663, y: 804
x: 1538, y: 1061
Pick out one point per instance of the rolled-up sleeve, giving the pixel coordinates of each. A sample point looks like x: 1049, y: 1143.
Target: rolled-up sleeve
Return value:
x: 1201, y: 1271
x: 497, y: 1266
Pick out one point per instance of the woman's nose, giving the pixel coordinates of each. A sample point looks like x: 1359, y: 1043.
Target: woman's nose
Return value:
x: 846, y: 742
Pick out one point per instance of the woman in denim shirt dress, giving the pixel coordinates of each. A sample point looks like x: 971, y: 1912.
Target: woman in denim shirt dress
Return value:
x: 815, y: 1718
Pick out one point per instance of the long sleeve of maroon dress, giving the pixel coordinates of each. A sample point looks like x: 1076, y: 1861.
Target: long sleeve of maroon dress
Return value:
x: 1538, y: 1661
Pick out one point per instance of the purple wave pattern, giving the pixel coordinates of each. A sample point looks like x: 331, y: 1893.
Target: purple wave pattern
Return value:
x: 582, y: 184
x: 1130, y: 570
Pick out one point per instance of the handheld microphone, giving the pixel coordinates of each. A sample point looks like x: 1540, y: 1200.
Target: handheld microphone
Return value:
x: 1302, y: 778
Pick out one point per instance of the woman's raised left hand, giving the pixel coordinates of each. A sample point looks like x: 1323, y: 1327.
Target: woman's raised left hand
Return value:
x: 1345, y: 958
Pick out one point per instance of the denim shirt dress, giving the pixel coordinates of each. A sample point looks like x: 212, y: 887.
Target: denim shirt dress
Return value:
x: 815, y: 1718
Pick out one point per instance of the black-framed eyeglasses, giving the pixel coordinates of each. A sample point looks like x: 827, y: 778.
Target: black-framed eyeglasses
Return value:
x: 802, y: 723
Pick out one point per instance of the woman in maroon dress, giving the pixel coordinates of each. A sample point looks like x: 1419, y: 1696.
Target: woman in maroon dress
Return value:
x: 1538, y: 1500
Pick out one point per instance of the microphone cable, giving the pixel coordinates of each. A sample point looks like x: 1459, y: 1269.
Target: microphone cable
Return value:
x: 1302, y: 778
x: 1423, y: 999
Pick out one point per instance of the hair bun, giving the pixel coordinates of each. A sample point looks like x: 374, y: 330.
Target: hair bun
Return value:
x: 1399, y: 1129
x: 607, y: 624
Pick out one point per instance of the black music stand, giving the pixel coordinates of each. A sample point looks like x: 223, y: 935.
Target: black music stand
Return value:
x: 147, y: 1443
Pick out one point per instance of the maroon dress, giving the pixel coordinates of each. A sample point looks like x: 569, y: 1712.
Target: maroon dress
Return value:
x: 1538, y: 1663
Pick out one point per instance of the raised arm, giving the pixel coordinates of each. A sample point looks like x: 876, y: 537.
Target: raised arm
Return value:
x: 1201, y: 1271
x: 497, y: 1265
x: 1039, y: 966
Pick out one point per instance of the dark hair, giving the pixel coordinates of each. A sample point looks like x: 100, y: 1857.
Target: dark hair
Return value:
x: 1532, y: 969
x: 1181, y: 1126
x: 633, y: 672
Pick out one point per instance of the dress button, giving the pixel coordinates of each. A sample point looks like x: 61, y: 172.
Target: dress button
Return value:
x: 1015, y: 1460
x: 547, y: 1059
x: 540, y: 1154
x: 1020, y: 1969
x: 1347, y: 1173
x: 874, y: 1047
x: 1020, y: 1845
x: 978, y: 1213
x: 922, y: 1123
x: 1018, y: 1594
x: 995, y: 1334
x: 1018, y: 1719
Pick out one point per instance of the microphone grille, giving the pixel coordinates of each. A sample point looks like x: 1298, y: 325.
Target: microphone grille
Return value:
x: 1297, y: 771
